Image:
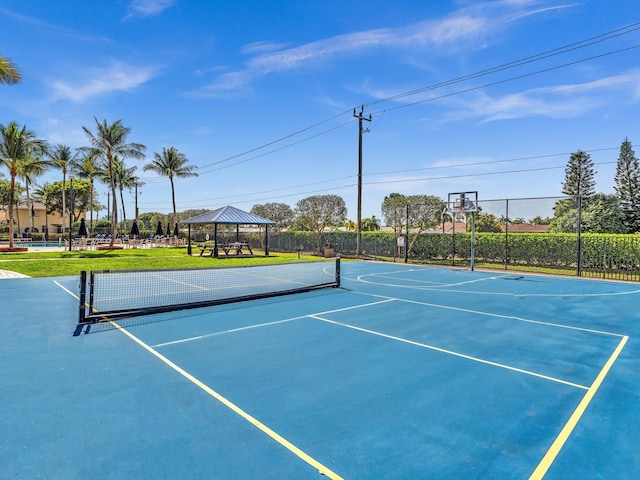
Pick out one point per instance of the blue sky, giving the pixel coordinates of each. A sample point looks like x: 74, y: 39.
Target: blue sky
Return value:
x: 260, y: 94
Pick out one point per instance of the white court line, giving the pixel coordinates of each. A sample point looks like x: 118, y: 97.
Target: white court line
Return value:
x: 233, y: 330
x: 322, y: 469
x: 180, y: 282
x: 450, y: 352
x: 66, y: 290
x: 436, y: 285
x: 260, y: 325
x: 361, y: 278
x: 496, y: 315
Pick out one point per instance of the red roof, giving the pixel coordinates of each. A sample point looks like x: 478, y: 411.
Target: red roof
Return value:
x: 526, y: 228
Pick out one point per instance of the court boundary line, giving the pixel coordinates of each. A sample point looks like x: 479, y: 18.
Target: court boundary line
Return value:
x: 321, y: 468
x: 267, y: 324
x: 435, y: 285
x: 442, y: 288
x: 497, y: 315
x: 231, y: 330
x: 557, y: 445
x: 451, y: 352
x: 545, y: 463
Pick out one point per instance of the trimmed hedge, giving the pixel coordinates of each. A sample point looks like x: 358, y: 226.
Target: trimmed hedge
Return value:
x: 599, y: 252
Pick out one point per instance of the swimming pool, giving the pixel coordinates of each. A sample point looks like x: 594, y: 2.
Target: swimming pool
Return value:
x: 34, y: 244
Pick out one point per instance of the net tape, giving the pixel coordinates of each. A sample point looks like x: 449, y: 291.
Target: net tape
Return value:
x: 111, y: 294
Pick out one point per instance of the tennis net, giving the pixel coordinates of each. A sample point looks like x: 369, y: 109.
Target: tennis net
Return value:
x: 107, y: 295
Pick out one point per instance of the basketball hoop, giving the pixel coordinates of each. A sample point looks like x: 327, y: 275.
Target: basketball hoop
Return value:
x: 458, y: 206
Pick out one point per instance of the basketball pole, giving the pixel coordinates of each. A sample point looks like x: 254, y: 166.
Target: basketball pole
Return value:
x: 473, y: 240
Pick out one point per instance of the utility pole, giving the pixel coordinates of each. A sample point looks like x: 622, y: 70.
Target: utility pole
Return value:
x: 137, y: 184
x: 360, y: 116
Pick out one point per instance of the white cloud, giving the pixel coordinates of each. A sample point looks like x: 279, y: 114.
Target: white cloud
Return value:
x: 98, y: 81
x: 463, y: 29
x: 559, y: 101
x: 261, y: 47
x: 148, y: 8
x: 224, y: 84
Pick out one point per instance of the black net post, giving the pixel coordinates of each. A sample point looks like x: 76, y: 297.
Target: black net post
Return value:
x: 82, y: 300
x: 338, y: 272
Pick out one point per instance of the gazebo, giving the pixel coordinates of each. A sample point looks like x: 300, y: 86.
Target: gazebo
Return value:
x: 228, y: 216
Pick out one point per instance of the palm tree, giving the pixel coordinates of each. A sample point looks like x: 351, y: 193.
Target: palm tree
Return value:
x: 87, y: 168
x: 109, y: 142
x: 63, y: 159
x: 17, y: 145
x: 370, y: 224
x: 125, y: 178
x: 171, y: 164
x: 9, y: 73
x: 40, y: 195
x: 350, y: 225
x: 30, y: 168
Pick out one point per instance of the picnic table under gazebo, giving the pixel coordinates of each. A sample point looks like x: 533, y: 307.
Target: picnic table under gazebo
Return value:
x: 228, y: 216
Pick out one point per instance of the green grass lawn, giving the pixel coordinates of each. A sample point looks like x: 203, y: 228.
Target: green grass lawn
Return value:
x: 53, y: 264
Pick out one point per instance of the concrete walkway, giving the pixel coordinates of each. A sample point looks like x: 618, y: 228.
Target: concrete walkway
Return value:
x: 9, y: 274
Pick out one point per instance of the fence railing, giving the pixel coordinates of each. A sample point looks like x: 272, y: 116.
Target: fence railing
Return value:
x: 601, y: 255
x: 522, y: 240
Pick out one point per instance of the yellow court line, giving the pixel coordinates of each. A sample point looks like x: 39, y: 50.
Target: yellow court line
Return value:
x: 556, y: 446
x: 323, y: 470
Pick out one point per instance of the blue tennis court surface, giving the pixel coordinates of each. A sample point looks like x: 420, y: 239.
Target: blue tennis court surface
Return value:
x: 406, y: 372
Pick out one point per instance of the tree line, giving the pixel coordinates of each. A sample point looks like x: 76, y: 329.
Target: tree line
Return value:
x: 26, y: 157
x: 599, y: 212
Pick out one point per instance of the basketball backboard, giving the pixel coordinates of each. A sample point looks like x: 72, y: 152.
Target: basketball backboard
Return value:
x: 463, y: 202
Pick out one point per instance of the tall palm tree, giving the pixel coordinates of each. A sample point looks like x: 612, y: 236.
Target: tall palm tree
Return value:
x: 40, y: 195
x: 171, y: 164
x: 125, y: 178
x: 31, y: 168
x: 109, y: 142
x: 9, y: 73
x: 62, y: 158
x: 87, y: 167
x: 17, y: 145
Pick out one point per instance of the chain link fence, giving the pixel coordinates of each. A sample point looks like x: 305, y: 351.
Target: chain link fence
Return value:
x: 510, y: 234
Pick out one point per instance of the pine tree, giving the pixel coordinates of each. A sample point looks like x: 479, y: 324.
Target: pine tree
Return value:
x: 578, y: 182
x: 579, y: 175
x: 627, y: 186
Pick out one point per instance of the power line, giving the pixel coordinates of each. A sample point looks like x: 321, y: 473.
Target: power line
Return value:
x: 385, y: 182
x: 516, y: 63
x: 511, y: 79
x: 507, y: 66
x: 510, y: 65
x: 393, y: 172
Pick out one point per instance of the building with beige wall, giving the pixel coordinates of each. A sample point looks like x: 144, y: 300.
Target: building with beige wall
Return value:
x: 42, y: 222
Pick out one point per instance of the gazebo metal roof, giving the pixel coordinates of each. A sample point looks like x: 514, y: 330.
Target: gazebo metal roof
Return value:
x: 229, y: 216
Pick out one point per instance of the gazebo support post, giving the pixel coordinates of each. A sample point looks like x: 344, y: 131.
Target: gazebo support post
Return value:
x: 266, y: 240
x: 215, y: 240
x: 189, y: 239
